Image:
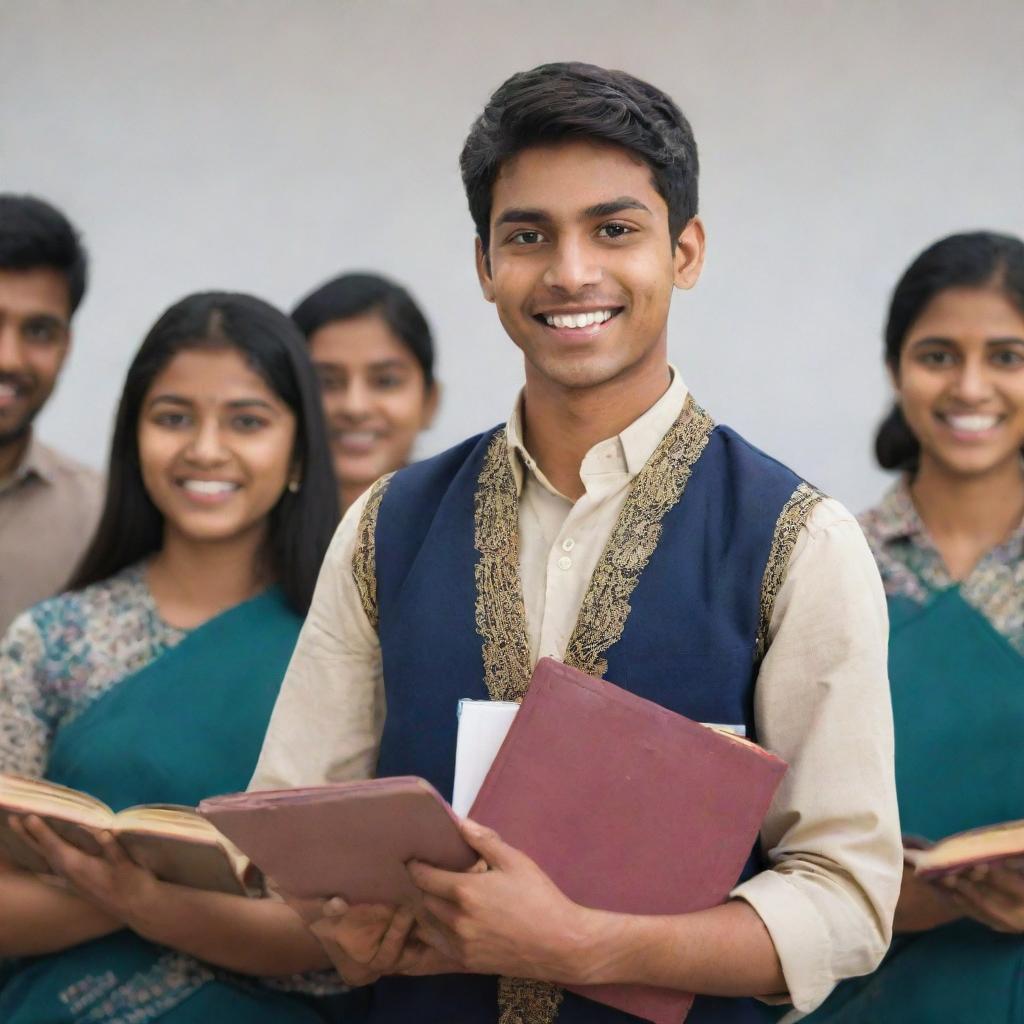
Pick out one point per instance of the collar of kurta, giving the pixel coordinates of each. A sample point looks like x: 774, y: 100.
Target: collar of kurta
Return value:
x: 627, y: 452
x: 37, y: 463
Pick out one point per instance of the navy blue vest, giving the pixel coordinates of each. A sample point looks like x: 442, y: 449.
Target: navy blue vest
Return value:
x: 689, y: 644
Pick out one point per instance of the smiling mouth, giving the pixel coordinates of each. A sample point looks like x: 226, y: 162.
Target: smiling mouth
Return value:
x: 578, y: 321
x: 970, y: 423
x: 355, y: 442
x: 208, y: 488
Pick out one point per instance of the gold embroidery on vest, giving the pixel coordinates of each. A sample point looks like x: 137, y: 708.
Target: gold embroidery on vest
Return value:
x: 364, y: 558
x: 787, y: 528
x: 501, y: 610
x: 656, y: 489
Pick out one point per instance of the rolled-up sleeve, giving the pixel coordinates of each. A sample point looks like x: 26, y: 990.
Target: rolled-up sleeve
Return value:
x: 822, y: 703
x: 327, y: 721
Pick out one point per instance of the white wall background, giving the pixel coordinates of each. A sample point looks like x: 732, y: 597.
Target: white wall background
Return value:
x: 264, y: 146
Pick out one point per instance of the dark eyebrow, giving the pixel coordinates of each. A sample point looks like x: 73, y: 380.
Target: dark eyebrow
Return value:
x: 523, y: 216
x: 614, y: 206
x: 1010, y: 340
x: 45, y: 318
x: 934, y: 340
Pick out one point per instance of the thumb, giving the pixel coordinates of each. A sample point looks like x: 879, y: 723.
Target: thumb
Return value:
x: 488, y: 844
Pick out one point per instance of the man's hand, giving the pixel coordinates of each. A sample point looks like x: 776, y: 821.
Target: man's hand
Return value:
x: 111, y: 881
x: 993, y: 895
x: 510, y: 919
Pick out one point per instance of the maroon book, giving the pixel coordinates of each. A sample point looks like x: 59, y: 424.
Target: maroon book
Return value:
x: 627, y: 806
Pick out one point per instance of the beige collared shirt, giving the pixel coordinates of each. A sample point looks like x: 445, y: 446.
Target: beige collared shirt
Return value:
x: 821, y: 701
x: 49, y: 508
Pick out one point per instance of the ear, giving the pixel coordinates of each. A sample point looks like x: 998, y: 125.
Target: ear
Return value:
x: 689, y: 254
x: 430, y: 404
x: 483, y: 271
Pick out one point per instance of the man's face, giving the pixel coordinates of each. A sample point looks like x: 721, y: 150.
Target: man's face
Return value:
x: 580, y: 263
x: 35, y: 319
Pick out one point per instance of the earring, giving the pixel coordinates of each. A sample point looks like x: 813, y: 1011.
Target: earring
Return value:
x: 294, y: 485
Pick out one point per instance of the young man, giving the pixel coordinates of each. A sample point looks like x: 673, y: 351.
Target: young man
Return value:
x: 49, y: 504
x: 613, y: 525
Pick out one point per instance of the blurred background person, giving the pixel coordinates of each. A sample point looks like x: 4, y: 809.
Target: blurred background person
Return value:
x: 152, y: 679
x: 374, y: 354
x: 949, y: 541
x: 49, y: 503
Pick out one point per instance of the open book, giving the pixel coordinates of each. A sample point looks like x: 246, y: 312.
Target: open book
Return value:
x: 175, y: 843
x: 964, y: 850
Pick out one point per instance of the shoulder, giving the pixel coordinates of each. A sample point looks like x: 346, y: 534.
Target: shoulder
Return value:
x: 71, y: 474
x: 441, y: 468
x: 67, y: 624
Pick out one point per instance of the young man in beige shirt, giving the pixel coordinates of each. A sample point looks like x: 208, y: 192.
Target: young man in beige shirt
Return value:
x: 49, y: 504
x: 549, y: 537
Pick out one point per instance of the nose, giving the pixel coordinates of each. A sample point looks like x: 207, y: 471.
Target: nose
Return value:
x: 974, y: 382
x: 573, y: 266
x: 206, y: 447
x: 12, y: 356
x: 355, y: 400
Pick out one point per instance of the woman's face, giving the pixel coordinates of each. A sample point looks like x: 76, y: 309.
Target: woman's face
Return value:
x: 215, y: 444
x: 960, y: 381
x: 375, y: 398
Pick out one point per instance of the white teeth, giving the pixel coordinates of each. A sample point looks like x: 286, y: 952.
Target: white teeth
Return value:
x: 356, y: 436
x: 972, y: 424
x: 578, y: 319
x: 6, y: 391
x: 209, y: 486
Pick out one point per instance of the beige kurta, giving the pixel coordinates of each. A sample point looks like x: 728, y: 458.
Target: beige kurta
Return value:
x: 821, y: 702
x: 49, y: 509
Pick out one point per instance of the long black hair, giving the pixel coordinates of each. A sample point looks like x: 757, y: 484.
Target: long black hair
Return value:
x: 301, y: 523
x: 974, y: 260
x: 356, y: 294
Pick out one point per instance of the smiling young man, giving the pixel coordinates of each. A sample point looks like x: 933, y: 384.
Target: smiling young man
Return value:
x: 613, y: 525
x: 49, y: 504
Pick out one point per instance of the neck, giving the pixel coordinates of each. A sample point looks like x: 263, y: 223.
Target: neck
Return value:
x: 560, y: 425
x: 967, y: 516
x: 193, y: 581
x: 12, y: 453
x: 348, y: 493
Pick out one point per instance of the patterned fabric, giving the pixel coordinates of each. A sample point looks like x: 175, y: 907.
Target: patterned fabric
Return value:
x: 56, y: 661
x: 912, y: 567
x: 63, y: 654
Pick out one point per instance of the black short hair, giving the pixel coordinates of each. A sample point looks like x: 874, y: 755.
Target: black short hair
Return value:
x: 302, y: 522
x: 34, y: 234
x: 566, y: 101
x: 975, y: 259
x: 356, y: 294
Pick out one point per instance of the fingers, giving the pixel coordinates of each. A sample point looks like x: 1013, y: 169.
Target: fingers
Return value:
x: 389, y: 952
x: 434, y: 881
x: 488, y: 844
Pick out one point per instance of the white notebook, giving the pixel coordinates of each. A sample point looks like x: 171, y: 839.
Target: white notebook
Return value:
x: 482, y: 728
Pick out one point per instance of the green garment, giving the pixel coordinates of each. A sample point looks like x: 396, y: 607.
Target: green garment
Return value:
x: 188, y: 725
x: 958, y: 707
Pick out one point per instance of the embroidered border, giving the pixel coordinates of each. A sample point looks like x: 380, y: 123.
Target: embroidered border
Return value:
x: 500, y: 608
x: 364, y: 558
x: 655, y: 491
x: 787, y: 528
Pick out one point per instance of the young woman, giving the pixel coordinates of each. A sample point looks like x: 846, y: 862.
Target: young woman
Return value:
x: 152, y: 679
x: 373, y: 352
x: 949, y: 541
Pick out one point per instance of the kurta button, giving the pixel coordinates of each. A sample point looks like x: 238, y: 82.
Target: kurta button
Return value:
x: 568, y: 544
x: 564, y: 563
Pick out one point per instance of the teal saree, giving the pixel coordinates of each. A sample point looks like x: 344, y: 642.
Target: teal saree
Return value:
x: 188, y: 725
x: 958, y: 706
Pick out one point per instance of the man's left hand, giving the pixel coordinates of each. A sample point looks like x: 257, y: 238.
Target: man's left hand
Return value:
x: 510, y: 919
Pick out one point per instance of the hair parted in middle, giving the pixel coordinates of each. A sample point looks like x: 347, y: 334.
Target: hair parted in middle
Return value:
x: 573, y: 101
x: 303, y: 520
